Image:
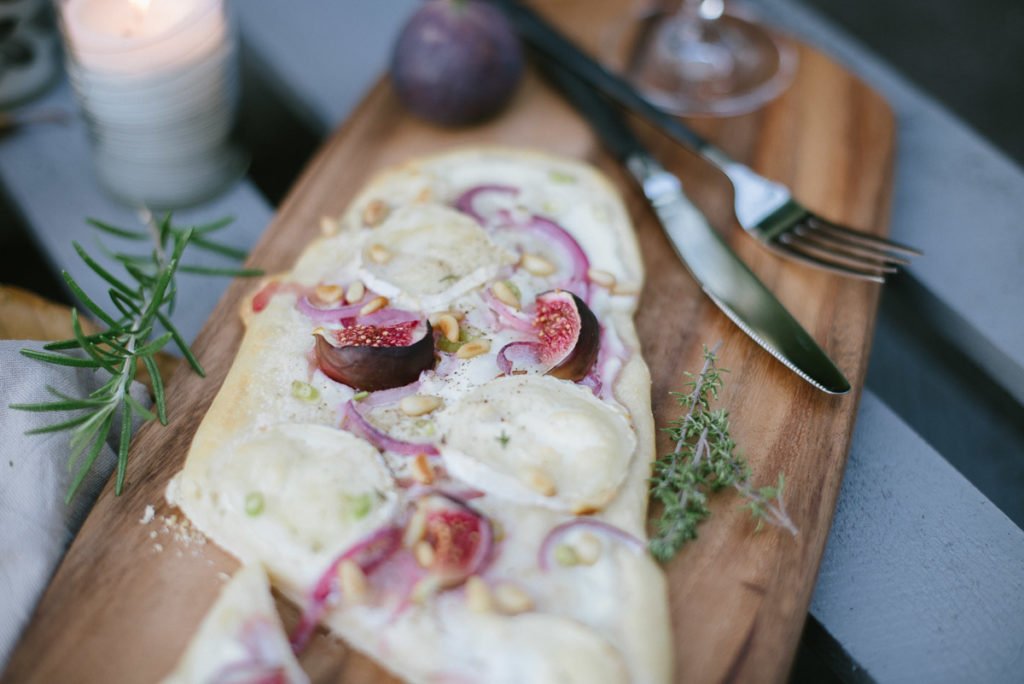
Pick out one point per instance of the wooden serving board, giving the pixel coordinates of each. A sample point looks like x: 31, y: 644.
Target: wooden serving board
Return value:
x: 120, y: 610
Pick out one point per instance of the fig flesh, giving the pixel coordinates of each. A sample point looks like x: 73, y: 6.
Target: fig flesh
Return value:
x: 567, y: 344
x: 459, y: 537
x: 456, y: 62
x: 568, y: 333
x: 369, y: 357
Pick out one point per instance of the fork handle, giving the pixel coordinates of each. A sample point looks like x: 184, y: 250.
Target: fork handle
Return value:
x: 559, y: 50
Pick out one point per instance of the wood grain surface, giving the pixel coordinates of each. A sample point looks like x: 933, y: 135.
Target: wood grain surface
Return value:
x: 118, y: 609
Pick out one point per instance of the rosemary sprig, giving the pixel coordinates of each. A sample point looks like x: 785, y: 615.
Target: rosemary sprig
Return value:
x: 138, y: 305
x: 704, y: 461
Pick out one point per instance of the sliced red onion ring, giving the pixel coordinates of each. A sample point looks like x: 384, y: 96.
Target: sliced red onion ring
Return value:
x: 369, y: 553
x: 556, y: 535
x: 388, y: 317
x: 506, y: 316
x: 521, y: 357
x: 551, y: 233
x: 354, y: 421
x: 332, y: 315
x: 467, y: 201
x: 390, y: 396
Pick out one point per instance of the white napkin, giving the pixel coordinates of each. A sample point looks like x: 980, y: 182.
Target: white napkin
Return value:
x: 35, y: 524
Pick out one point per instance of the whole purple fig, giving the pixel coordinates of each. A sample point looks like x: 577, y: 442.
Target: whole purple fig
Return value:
x: 456, y: 62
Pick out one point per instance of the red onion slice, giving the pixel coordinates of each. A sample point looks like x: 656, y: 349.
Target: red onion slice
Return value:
x: 521, y: 357
x: 506, y: 316
x: 369, y: 553
x: 390, y: 396
x: 355, y: 422
x: 467, y: 201
x: 332, y: 315
x: 387, y: 317
x: 556, y: 535
x: 550, y: 232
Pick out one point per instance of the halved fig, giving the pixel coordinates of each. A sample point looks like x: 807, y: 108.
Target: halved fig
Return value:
x: 370, y: 357
x: 460, y: 538
x: 568, y: 333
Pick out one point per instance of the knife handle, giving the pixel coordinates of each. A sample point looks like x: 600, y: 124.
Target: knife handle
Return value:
x: 606, y: 121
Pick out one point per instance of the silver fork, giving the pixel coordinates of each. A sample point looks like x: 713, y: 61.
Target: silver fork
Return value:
x: 764, y: 208
x: 767, y: 211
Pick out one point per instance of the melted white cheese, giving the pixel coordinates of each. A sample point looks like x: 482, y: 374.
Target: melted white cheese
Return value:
x: 513, y: 431
x: 435, y: 253
x: 319, y: 489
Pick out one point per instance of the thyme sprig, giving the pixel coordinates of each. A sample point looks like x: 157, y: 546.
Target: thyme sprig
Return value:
x: 704, y: 461
x: 127, y: 339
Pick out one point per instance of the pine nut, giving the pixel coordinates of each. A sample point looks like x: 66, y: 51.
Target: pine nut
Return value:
x: 537, y: 265
x: 353, y: 582
x: 602, y: 278
x: 356, y: 292
x: 449, y: 327
x: 419, y: 404
x: 379, y: 254
x: 421, y: 469
x: 511, y: 599
x: 474, y: 348
x: 540, y: 482
x: 416, y: 528
x: 329, y: 294
x: 505, y: 294
x: 426, y: 587
x: 425, y: 195
x: 375, y: 212
x: 587, y: 548
x: 478, y: 595
x: 329, y: 225
x: 424, y: 553
x: 375, y: 304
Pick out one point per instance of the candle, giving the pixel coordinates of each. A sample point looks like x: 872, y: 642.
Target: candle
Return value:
x: 157, y: 80
x: 158, y: 34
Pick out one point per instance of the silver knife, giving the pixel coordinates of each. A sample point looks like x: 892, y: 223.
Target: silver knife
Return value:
x: 726, y: 280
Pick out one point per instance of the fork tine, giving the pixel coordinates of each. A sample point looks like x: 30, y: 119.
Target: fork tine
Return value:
x: 847, y: 247
x: 799, y: 255
x: 828, y: 254
x: 861, y: 237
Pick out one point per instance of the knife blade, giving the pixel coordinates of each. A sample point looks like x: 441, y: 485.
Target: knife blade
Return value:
x: 730, y: 284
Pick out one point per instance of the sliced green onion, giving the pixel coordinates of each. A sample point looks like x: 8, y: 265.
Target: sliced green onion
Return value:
x: 359, y: 505
x: 566, y: 555
x: 561, y: 176
x: 360, y: 395
x: 253, y: 504
x: 304, y: 391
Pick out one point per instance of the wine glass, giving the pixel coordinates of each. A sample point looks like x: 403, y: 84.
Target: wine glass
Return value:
x: 702, y: 61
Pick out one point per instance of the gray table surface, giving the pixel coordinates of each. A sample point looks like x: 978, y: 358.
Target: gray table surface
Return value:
x: 923, y: 577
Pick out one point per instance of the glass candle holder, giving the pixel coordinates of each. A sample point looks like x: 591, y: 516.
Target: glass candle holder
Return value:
x: 157, y: 81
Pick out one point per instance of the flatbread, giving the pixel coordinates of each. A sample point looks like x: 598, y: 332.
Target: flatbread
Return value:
x: 590, y: 606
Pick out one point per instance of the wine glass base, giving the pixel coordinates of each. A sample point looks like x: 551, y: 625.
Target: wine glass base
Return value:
x: 735, y: 67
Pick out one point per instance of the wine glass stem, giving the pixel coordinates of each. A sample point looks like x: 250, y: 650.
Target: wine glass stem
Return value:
x: 691, y: 40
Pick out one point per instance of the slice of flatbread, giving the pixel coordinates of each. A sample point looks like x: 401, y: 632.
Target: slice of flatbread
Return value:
x: 478, y: 525
x: 241, y: 638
